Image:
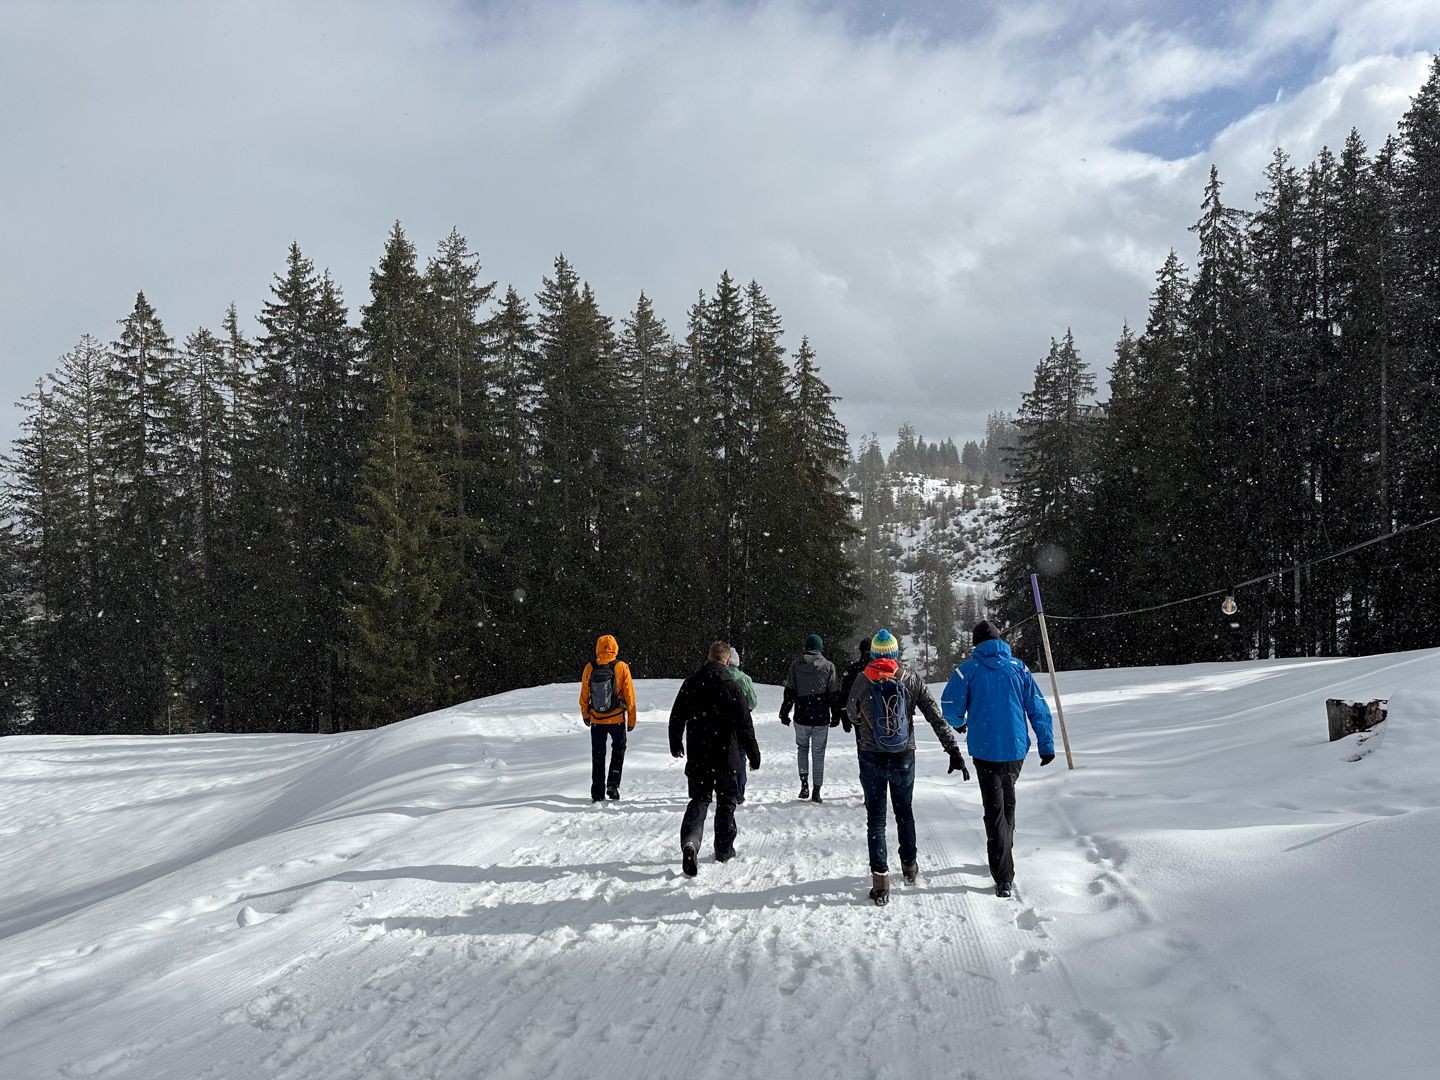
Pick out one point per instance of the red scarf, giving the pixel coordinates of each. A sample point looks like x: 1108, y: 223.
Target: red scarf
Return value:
x: 883, y: 668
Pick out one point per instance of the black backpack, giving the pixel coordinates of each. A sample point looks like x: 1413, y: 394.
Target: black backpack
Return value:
x: 602, y: 689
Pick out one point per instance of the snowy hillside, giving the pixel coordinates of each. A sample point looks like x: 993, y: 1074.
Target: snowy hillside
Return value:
x: 928, y: 554
x: 1216, y: 891
x: 963, y: 519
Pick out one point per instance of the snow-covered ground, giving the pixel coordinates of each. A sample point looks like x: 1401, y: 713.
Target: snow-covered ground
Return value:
x: 1215, y: 891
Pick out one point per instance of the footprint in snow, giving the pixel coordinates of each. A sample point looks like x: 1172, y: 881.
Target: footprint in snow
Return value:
x: 1031, y: 921
x: 1029, y: 961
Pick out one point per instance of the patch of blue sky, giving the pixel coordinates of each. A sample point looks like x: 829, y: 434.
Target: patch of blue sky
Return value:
x: 1189, y: 126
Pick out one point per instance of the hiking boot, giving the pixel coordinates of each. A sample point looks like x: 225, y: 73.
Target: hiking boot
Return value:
x: 613, y: 794
x: 880, y: 890
x: 911, y: 871
x: 815, y: 795
x: 725, y: 856
x: 804, y: 787
x: 687, y: 860
x: 1003, y: 889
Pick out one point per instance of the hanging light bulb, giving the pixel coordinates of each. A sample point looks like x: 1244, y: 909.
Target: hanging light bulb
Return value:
x: 1228, y: 606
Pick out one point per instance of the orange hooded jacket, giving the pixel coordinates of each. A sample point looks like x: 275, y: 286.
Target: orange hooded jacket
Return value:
x: 606, y: 650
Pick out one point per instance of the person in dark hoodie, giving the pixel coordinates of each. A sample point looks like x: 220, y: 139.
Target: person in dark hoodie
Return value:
x: 847, y: 680
x: 988, y: 699
x: 810, y: 693
x: 882, y: 708
x: 710, y: 725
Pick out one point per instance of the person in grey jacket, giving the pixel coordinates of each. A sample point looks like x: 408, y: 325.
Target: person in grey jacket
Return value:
x: 810, y: 693
x: 882, y: 708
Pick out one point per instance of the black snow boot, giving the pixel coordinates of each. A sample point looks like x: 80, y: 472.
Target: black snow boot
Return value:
x: 804, y: 787
x: 911, y: 871
x: 687, y: 860
x: 1004, y: 889
x: 725, y: 856
x: 880, y: 889
x: 613, y: 794
x: 815, y: 795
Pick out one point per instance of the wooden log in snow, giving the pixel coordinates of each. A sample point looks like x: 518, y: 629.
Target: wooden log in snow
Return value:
x: 1348, y: 717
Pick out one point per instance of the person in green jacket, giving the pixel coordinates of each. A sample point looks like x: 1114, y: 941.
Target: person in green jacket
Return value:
x: 747, y: 687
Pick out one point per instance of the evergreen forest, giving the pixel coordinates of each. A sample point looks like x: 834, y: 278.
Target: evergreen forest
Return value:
x: 1280, y: 405
x: 335, y: 523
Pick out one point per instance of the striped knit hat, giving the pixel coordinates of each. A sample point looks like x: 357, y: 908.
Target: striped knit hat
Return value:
x: 884, y: 644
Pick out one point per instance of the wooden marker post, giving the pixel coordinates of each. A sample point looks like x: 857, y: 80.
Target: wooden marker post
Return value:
x: 1050, y: 663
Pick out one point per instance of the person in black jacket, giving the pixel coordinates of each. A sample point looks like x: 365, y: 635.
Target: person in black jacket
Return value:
x: 712, y: 719
x: 847, y: 681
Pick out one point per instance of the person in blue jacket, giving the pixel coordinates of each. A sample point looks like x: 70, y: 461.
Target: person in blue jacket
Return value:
x: 988, y: 699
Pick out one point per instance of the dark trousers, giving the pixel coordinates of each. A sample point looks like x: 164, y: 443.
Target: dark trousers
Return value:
x: 599, y: 781
x: 706, y: 783
x: 893, y: 775
x: 997, y: 792
x: 742, y: 775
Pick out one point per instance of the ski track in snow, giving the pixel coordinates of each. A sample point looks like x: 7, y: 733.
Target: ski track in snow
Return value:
x: 440, y: 899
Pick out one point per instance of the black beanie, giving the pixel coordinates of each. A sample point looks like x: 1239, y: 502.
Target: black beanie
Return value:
x: 983, y: 632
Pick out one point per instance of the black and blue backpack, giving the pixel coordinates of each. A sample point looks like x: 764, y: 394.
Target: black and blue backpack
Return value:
x: 889, y: 715
x: 602, y: 689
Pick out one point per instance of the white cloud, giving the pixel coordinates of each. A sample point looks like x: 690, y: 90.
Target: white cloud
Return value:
x: 928, y: 210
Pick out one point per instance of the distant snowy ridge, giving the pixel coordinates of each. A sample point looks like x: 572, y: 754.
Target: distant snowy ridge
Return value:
x: 919, y: 523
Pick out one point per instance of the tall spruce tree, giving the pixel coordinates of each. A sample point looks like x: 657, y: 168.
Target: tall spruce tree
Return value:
x: 393, y: 641
x: 1039, y: 531
x: 141, y: 429
x: 1417, y: 489
x: 16, y: 689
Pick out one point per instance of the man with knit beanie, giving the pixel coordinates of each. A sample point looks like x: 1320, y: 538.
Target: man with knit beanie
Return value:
x: 988, y: 699
x: 809, y: 692
x: 607, y: 708
x: 747, y: 687
x: 882, y: 707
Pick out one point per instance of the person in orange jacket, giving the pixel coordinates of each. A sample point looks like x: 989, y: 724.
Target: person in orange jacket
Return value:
x: 607, y: 706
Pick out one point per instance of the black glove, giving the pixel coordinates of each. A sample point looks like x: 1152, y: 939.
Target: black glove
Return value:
x: 1045, y: 759
x: 585, y: 720
x: 834, y: 721
x: 784, y: 719
x: 957, y: 761
x: 962, y: 729
x: 677, y: 753
x: 755, y: 763
x: 845, y: 723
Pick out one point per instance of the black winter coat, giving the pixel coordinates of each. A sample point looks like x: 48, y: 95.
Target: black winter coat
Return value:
x: 711, y: 716
x: 847, y: 683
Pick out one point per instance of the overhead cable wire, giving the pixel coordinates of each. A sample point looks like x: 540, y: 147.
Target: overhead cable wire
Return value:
x: 1243, y: 584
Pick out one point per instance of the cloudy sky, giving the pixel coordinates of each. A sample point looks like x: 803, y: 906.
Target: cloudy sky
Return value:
x: 928, y: 190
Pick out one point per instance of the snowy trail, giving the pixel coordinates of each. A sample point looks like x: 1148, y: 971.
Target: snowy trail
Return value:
x: 440, y: 899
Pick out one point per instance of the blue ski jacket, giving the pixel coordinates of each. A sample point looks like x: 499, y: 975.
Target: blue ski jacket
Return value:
x: 994, y: 693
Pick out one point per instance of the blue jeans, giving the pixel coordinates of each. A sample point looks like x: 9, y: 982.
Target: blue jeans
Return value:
x: 894, y: 774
